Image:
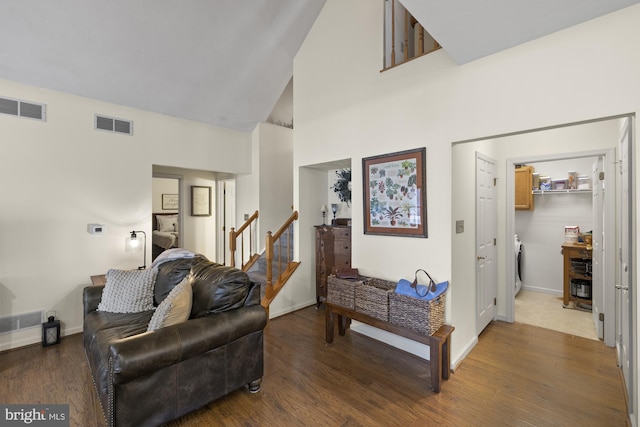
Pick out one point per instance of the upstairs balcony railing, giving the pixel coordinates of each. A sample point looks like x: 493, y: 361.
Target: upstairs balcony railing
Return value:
x: 405, y: 38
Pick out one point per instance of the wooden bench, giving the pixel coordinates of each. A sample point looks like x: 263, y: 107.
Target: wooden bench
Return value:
x: 439, y: 342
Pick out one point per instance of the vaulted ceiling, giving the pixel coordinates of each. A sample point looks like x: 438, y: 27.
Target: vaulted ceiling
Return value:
x: 226, y: 62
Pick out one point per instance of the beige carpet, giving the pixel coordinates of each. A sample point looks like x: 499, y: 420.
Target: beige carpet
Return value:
x: 544, y: 310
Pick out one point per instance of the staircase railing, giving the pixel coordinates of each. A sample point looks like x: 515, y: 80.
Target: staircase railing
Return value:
x: 252, y: 254
x: 284, y: 267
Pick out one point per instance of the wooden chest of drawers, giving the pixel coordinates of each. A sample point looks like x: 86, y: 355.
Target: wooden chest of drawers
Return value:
x: 333, y: 250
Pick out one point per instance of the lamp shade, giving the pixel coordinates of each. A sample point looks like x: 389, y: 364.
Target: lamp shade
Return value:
x: 133, y: 243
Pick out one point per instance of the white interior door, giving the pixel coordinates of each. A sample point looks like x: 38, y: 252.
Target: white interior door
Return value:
x: 486, y: 222
x: 623, y: 288
x: 597, y: 290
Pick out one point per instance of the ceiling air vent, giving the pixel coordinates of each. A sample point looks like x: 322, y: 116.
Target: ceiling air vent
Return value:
x: 16, y: 107
x: 114, y: 125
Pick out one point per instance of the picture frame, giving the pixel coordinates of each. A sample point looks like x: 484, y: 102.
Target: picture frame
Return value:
x: 395, y: 194
x: 200, y: 201
x: 170, y: 202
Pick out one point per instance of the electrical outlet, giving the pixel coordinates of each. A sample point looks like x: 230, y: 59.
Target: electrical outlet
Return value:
x: 246, y: 217
x: 459, y: 226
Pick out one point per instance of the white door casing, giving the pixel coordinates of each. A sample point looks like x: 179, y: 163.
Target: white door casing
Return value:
x: 623, y: 288
x: 597, y: 289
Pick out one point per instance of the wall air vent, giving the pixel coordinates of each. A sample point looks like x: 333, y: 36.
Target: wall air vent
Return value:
x: 16, y: 107
x: 16, y: 322
x: 114, y: 125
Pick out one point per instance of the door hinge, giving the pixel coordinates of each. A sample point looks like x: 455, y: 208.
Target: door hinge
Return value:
x: 495, y: 242
x: 495, y: 301
x: 601, y: 317
x: 601, y: 176
x: 494, y: 181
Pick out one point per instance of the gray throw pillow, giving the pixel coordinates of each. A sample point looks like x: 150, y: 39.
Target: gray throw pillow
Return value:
x: 128, y: 291
x: 175, y: 308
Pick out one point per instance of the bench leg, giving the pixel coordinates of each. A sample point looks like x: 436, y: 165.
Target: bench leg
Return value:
x: 342, y: 325
x: 328, y: 320
x: 446, y: 359
x: 435, y: 362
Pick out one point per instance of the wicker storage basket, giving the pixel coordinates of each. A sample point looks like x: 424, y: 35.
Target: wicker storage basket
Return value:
x: 342, y: 291
x: 422, y: 316
x: 372, y: 298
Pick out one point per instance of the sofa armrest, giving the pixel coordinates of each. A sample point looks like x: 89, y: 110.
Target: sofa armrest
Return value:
x: 91, y: 297
x: 145, y: 353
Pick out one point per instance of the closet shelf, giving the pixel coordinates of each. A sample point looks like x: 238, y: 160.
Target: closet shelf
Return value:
x: 564, y: 191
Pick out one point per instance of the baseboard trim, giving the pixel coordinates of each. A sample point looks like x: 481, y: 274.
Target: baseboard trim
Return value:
x: 274, y: 314
x: 542, y: 290
x: 458, y: 358
x: 36, y: 339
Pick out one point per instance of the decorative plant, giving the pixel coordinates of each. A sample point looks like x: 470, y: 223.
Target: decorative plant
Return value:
x: 393, y: 214
x: 408, y: 208
x: 342, y: 187
x: 392, y: 189
x: 408, y: 165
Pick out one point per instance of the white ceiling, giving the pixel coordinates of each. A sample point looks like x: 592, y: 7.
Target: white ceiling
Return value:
x: 472, y: 29
x: 226, y: 62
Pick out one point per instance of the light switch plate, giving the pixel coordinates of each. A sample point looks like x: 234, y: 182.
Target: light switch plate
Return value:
x: 459, y: 226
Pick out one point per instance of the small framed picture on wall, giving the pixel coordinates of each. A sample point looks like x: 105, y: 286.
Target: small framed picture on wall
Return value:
x: 170, y: 202
x: 200, y: 201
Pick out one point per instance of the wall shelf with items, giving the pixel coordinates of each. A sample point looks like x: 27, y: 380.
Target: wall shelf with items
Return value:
x: 563, y: 191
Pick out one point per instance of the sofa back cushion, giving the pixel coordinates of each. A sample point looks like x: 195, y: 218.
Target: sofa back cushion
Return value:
x: 170, y: 273
x: 217, y: 288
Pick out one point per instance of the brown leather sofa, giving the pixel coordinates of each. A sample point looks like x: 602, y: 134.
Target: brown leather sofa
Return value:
x: 149, y: 378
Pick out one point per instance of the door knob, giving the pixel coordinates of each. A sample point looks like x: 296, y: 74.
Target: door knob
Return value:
x: 623, y: 288
x: 480, y: 257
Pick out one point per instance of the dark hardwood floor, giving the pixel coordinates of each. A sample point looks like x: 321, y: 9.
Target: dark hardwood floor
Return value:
x: 517, y: 375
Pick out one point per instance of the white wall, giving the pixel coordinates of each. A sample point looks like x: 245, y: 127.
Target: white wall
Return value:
x: 351, y: 110
x: 276, y: 183
x: 282, y: 113
x: 268, y: 189
x: 60, y: 175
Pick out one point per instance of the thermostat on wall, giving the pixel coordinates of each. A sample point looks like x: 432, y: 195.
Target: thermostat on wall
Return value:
x: 95, y: 228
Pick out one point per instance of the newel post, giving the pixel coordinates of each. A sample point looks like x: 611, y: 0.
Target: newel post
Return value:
x: 232, y: 246
x: 269, y: 256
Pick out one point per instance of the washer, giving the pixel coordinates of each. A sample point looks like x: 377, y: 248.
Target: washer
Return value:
x: 518, y: 246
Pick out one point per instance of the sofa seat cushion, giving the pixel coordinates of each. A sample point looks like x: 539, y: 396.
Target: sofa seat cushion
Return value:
x: 102, y: 328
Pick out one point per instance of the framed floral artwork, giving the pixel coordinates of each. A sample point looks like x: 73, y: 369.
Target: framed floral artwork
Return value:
x: 395, y: 199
